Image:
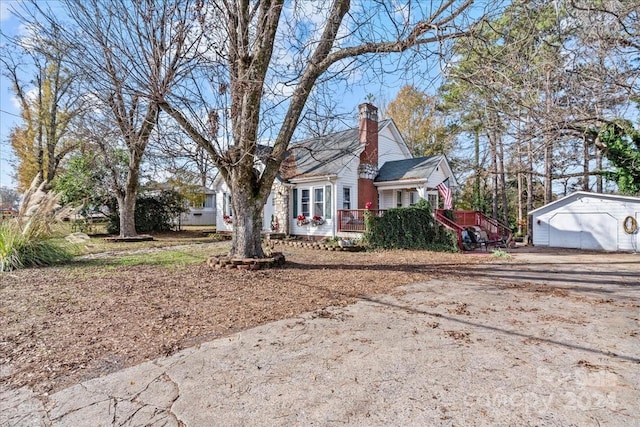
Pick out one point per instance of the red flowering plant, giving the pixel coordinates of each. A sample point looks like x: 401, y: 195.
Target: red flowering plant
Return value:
x: 302, y: 220
x: 317, y: 220
x: 368, y: 205
x: 227, y: 219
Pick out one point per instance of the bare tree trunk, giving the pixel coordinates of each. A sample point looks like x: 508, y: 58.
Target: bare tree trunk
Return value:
x: 519, y: 178
x: 548, y: 170
x: 548, y: 146
x: 127, y: 209
x: 529, y: 187
x: 477, y: 195
x: 585, y: 164
x: 599, y: 168
x: 494, y: 174
x: 503, y: 180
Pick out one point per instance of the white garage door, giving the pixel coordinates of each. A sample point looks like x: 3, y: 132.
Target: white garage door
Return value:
x: 584, y: 231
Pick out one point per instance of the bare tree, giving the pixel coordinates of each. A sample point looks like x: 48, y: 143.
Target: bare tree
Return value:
x: 127, y: 55
x: 45, y: 89
x: 268, y: 57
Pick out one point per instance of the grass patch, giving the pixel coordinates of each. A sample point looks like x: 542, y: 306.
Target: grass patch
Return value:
x: 174, y: 259
x: 499, y: 253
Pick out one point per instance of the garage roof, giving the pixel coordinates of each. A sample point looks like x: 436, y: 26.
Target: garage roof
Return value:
x: 580, y: 194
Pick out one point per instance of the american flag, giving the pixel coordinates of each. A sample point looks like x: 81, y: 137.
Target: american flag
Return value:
x: 445, y: 192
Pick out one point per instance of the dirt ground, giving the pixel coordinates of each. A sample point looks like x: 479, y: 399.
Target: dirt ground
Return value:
x: 565, y: 321
x: 60, y: 326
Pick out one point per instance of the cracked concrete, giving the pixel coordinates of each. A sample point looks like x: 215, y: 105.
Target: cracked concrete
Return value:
x: 436, y: 353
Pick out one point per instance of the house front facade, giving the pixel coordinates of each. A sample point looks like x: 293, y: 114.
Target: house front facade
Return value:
x: 326, y: 183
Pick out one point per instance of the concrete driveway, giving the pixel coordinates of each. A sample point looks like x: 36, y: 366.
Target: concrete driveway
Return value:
x: 547, y: 338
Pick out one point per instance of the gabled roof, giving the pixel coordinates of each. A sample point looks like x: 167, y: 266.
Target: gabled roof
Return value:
x: 416, y: 168
x: 580, y: 194
x: 324, y: 155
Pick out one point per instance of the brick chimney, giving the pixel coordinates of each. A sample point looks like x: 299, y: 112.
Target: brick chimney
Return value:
x: 368, y: 169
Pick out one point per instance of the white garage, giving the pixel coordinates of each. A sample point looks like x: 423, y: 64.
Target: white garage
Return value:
x: 582, y: 220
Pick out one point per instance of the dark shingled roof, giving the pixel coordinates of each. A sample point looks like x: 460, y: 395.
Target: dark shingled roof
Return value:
x: 419, y: 167
x: 325, y: 155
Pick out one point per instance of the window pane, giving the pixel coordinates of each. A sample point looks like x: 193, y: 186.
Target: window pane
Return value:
x: 304, y: 203
x: 327, y: 203
x: 318, y: 201
x: 346, y: 197
x: 209, y: 201
x: 399, y: 199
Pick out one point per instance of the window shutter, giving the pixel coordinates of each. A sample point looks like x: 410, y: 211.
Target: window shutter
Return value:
x: 295, y: 202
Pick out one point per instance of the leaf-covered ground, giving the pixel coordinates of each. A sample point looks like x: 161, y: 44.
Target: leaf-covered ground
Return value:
x: 63, y: 325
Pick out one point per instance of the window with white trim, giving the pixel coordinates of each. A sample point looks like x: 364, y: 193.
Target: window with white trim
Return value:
x: 314, y: 201
x: 328, y: 208
x: 305, y: 202
x: 318, y: 201
x: 398, y: 199
x: 346, y: 197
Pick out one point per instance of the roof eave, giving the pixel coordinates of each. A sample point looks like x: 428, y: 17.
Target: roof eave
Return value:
x: 304, y: 179
x: 401, y: 182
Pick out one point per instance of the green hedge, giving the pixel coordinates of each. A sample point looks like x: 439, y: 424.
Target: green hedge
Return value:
x: 155, y: 212
x: 409, y: 228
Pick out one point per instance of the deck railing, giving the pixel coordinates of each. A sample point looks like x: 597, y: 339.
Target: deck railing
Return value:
x: 496, y: 231
x: 352, y: 220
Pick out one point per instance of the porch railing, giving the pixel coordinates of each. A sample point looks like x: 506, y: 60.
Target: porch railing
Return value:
x: 496, y: 231
x: 352, y: 220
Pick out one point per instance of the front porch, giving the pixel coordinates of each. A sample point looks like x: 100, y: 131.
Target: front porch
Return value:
x: 352, y: 220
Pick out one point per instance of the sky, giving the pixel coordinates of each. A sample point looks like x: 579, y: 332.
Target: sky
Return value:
x: 8, y: 111
x: 383, y: 86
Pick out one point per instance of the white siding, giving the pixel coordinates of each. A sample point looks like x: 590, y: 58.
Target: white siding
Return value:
x: 220, y: 224
x: 388, y: 148
x: 387, y: 199
x: 198, y: 217
x: 348, y: 177
x: 437, y: 176
x: 586, y: 221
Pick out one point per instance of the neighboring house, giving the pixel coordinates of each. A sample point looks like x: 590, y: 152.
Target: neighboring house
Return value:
x: 202, y: 208
x: 330, y: 180
x: 585, y: 220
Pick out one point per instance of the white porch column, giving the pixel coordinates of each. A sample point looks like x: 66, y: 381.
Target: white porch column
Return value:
x: 422, y: 192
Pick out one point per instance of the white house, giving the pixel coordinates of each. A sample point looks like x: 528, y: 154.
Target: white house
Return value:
x: 325, y: 183
x: 202, y: 208
x: 583, y: 220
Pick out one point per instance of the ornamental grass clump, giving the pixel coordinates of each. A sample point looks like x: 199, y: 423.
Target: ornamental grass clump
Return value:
x: 30, y: 246
x: 28, y: 243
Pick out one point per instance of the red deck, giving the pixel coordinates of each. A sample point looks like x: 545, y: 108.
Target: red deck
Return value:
x: 497, y: 232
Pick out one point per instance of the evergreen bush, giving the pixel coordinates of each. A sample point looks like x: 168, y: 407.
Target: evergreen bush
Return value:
x: 154, y: 212
x: 409, y: 228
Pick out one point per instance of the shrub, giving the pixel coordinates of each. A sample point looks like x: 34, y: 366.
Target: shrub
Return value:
x: 30, y: 246
x: 154, y: 212
x: 409, y: 228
